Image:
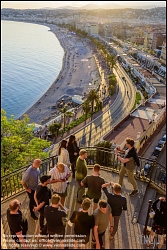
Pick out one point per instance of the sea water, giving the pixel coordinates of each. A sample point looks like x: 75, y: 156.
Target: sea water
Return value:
x: 31, y: 59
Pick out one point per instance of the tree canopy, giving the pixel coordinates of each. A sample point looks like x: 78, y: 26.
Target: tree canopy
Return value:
x: 19, y: 146
x: 86, y: 108
x: 93, y: 98
x: 65, y: 113
x: 55, y: 128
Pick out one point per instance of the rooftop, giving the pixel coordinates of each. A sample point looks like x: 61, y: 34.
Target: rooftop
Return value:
x: 138, y: 121
x: 128, y: 128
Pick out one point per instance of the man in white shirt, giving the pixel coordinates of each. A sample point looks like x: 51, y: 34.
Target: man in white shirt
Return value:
x: 59, y: 176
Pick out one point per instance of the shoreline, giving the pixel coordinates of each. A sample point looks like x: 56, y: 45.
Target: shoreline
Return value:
x: 78, y: 70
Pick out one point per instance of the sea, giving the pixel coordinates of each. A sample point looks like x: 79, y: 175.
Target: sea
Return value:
x: 31, y: 59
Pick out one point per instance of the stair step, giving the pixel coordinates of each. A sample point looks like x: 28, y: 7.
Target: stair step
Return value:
x: 139, y: 205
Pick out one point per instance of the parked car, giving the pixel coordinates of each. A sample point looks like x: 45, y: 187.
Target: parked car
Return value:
x: 164, y: 179
x: 158, y: 148
x: 163, y: 139
x: 156, y: 152
x: 161, y: 143
x: 164, y: 136
x: 145, y: 171
x: 153, y: 157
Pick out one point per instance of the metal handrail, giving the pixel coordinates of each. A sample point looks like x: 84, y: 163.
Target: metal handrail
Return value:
x: 11, y: 183
x: 145, y: 231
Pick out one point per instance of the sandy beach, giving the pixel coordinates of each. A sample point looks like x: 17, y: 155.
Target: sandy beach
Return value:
x: 79, y: 69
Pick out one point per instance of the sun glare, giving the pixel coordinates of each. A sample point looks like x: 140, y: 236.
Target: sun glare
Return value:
x: 56, y: 4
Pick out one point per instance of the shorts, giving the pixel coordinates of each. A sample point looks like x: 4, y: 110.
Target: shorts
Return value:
x: 61, y: 194
x: 95, y: 200
x: 58, y: 235
x: 82, y: 240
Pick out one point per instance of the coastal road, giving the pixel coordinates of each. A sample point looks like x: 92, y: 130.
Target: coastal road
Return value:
x: 94, y: 131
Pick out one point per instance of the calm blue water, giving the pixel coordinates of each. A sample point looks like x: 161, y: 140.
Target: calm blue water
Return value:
x: 31, y: 59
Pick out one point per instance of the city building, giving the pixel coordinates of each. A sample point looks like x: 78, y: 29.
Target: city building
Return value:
x: 92, y: 29
x: 163, y: 54
x: 140, y: 124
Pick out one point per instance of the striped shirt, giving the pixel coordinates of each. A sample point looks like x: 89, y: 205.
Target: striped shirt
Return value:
x: 59, y: 187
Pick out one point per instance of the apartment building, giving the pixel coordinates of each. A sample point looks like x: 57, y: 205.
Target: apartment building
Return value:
x: 92, y: 29
x: 163, y: 54
x: 137, y: 40
x: 154, y: 40
x: 79, y: 25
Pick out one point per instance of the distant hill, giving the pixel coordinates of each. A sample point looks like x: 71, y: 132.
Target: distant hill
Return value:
x: 94, y: 6
x: 61, y: 7
x: 145, y: 5
x: 68, y: 7
x: 137, y: 5
x: 110, y: 5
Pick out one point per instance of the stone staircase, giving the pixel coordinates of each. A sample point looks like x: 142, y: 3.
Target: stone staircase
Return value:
x: 130, y: 226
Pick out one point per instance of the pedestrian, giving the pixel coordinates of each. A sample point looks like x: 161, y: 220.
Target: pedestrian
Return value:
x: 94, y: 183
x: 81, y: 172
x: 102, y: 216
x: 30, y: 182
x: 159, y: 222
x: 129, y: 161
x: 18, y: 226
x: 117, y: 203
x: 54, y: 220
x: 59, y: 176
x: 42, y: 196
x: 63, y: 155
x: 73, y: 150
x: 83, y: 223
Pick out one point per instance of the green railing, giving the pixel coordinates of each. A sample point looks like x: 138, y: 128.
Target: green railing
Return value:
x: 156, y: 174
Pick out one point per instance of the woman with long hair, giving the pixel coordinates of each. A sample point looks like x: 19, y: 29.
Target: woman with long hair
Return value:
x: 73, y: 150
x: 159, y: 222
x: 63, y: 155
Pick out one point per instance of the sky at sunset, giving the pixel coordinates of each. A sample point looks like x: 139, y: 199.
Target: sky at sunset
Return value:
x: 55, y: 4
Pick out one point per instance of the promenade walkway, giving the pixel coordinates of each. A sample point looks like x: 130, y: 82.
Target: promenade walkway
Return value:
x: 129, y: 231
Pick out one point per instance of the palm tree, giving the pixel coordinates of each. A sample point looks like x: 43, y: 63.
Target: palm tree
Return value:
x: 86, y: 108
x: 113, y: 61
x: 99, y: 105
x: 112, y: 80
x: 65, y: 114
x: 111, y: 89
x: 54, y: 128
x: 93, y: 98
